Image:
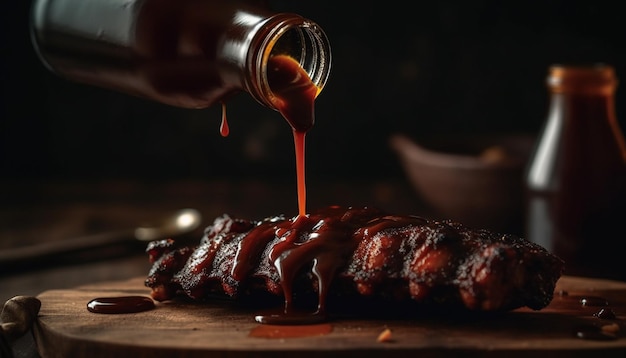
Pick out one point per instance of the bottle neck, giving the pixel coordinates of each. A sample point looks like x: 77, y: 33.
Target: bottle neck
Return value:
x: 290, y: 35
x: 582, y: 80
x: 583, y: 92
x: 583, y: 105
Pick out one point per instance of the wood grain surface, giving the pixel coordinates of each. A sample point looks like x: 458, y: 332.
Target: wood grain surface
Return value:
x: 65, y: 328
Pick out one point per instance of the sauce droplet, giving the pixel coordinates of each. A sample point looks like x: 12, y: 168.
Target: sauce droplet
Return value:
x: 123, y: 304
x: 224, y: 128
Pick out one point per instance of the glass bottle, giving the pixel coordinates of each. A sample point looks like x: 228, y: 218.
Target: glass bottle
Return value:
x: 185, y: 53
x: 576, y: 178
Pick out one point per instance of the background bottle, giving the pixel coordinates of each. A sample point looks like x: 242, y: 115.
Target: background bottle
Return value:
x: 185, y: 53
x: 576, y: 179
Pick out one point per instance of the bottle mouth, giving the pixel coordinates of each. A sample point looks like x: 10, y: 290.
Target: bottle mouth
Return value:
x: 597, y: 77
x: 300, y: 39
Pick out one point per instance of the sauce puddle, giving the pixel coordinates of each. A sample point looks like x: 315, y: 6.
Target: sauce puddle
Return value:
x: 290, y: 331
x: 123, y: 304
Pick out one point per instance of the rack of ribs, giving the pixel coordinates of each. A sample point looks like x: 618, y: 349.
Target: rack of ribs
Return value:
x: 350, y: 252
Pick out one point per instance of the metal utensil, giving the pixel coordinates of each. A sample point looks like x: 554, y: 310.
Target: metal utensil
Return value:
x: 179, y: 223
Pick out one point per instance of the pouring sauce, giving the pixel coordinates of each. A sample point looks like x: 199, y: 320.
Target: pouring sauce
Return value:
x: 294, y: 98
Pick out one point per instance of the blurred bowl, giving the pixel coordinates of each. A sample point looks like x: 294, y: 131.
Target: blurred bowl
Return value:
x: 474, y: 179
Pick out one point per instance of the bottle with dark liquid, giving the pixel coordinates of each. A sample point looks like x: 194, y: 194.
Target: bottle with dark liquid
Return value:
x: 190, y: 53
x: 576, y: 179
x: 186, y: 53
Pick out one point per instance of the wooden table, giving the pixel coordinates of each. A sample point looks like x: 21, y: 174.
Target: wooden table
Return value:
x: 33, y: 212
x: 179, y: 328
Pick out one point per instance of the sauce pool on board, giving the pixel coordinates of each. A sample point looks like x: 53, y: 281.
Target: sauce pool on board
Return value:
x: 123, y: 304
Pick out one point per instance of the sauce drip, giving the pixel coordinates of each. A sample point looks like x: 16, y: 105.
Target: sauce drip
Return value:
x: 123, y: 304
x: 224, y: 129
x: 294, y: 97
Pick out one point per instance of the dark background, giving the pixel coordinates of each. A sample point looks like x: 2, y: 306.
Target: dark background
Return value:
x: 421, y: 68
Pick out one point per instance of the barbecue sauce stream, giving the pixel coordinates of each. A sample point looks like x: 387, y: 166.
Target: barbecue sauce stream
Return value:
x: 294, y: 98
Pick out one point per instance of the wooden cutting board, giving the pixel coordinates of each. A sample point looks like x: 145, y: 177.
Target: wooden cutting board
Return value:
x: 65, y: 328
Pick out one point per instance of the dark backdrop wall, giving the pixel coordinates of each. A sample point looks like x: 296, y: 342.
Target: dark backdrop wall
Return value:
x: 429, y: 68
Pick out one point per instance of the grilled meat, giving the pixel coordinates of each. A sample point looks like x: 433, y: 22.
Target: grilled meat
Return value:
x: 357, y: 252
